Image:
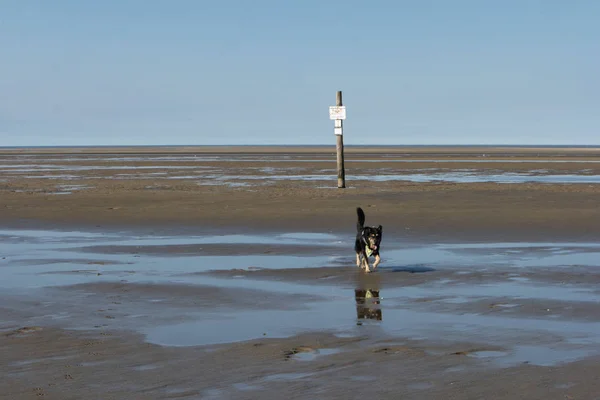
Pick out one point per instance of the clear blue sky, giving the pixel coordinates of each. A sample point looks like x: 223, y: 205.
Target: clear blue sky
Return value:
x: 120, y: 72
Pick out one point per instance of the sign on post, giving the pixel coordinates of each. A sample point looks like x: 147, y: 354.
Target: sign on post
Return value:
x: 337, y: 112
x: 337, y: 128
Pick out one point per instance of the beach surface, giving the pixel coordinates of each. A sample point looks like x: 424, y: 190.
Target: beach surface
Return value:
x: 228, y: 273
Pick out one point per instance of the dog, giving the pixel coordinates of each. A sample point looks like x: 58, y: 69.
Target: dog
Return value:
x: 368, y: 242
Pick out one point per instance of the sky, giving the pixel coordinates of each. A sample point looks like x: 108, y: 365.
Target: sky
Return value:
x: 196, y: 72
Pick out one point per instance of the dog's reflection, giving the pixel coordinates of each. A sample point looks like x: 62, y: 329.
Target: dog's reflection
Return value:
x: 367, y: 305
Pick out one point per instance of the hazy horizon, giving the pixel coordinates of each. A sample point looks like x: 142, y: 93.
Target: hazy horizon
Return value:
x: 135, y: 73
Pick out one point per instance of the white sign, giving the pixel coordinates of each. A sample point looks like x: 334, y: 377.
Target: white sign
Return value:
x: 337, y: 131
x: 337, y: 123
x: 337, y: 112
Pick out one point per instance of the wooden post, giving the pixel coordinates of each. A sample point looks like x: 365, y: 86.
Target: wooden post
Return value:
x: 341, y: 173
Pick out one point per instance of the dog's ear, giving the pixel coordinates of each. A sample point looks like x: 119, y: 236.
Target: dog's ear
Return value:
x: 380, y: 228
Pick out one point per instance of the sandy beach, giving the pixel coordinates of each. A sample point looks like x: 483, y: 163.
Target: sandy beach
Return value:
x: 228, y: 273
x: 273, y: 191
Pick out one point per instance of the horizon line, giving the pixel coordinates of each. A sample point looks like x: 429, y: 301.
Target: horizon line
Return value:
x: 299, y: 145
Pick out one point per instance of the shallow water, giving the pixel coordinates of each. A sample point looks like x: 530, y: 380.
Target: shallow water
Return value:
x: 454, y: 177
x: 313, y: 355
x: 543, y: 356
x: 166, y: 167
x: 34, y: 259
x: 399, y: 158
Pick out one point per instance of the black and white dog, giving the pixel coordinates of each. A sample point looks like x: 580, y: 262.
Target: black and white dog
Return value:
x: 368, y: 240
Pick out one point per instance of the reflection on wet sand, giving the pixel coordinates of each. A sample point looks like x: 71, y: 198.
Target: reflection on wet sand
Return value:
x: 367, y: 305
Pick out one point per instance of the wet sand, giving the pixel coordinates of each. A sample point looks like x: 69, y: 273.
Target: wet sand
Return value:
x: 73, y: 365
x: 176, y: 280
x: 273, y: 191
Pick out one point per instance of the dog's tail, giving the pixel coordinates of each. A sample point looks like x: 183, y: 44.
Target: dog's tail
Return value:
x: 361, y: 219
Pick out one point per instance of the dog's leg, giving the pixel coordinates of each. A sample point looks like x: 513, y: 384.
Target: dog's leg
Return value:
x: 377, y: 261
x: 358, y: 260
x: 366, y: 262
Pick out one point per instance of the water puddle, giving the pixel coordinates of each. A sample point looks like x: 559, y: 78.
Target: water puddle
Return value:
x: 516, y: 290
x: 243, y: 326
x: 145, y: 367
x: 313, y: 354
x: 340, y: 307
x: 23, y: 168
x: 453, y: 177
x: 287, y: 377
x: 488, y: 354
x: 245, y: 387
x: 190, y: 168
x: 337, y: 317
x: 363, y: 378
x: 542, y: 356
x: 265, y: 157
x: 564, y: 385
x: 457, y: 368
x: 47, y: 253
x: 519, y: 255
